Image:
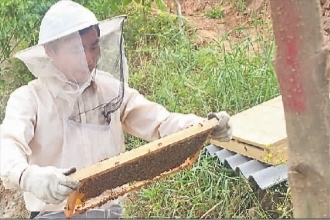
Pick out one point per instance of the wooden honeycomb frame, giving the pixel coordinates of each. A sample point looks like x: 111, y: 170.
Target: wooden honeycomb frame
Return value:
x: 140, y: 166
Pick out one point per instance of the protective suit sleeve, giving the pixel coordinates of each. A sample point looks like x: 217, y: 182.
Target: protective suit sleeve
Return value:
x: 149, y: 120
x: 17, y: 130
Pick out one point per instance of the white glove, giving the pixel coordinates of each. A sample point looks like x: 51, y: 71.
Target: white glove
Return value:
x: 223, y: 131
x: 49, y: 184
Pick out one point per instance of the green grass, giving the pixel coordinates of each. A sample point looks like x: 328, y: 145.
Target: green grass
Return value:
x: 215, y: 13
x: 218, y: 79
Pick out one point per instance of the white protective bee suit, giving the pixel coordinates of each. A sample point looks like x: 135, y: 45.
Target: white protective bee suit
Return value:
x: 74, y: 113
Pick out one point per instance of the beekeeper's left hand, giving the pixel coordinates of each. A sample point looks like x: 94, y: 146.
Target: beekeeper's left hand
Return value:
x: 224, y: 130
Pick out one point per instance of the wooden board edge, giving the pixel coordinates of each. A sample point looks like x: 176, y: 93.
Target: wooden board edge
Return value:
x: 273, y: 156
x: 71, y: 204
x: 264, y: 146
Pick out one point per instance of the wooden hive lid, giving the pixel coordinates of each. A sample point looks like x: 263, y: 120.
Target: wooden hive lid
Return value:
x: 261, y: 125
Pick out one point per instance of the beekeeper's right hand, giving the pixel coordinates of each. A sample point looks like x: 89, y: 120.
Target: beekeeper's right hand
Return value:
x: 49, y: 184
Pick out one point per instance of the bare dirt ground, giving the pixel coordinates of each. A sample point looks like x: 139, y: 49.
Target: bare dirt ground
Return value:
x: 11, y: 204
x: 213, y: 29
x: 234, y: 17
x: 208, y: 30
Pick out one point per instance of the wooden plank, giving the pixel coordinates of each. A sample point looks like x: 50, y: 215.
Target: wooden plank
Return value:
x: 147, y: 162
x: 261, y: 125
x: 260, y: 133
x: 272, y: 156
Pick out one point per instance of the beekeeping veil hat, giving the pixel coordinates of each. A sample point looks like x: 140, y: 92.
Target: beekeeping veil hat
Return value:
x: 67, y: 61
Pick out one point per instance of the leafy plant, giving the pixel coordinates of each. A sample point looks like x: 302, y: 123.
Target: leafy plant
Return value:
x: 215, y: 13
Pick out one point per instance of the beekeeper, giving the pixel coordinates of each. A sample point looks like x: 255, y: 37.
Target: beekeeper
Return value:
x: 75, y: 111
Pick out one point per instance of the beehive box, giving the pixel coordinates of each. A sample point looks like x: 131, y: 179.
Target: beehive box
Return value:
x: 260, y: 133
x: 137, y: 168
